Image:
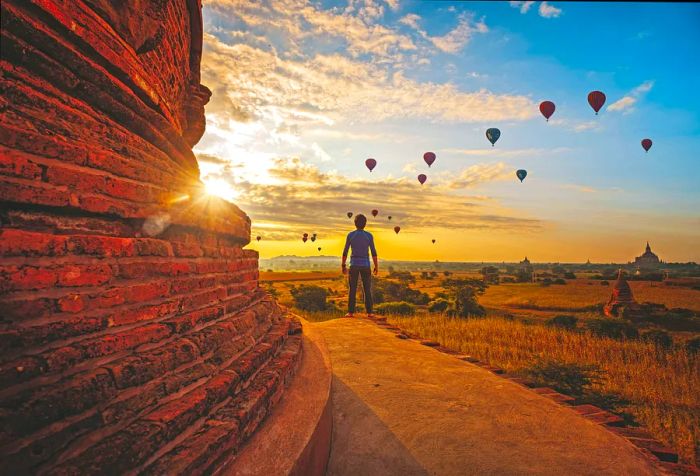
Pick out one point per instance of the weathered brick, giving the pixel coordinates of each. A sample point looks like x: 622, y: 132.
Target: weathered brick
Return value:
x: 46, y: 405
x: 101, y: 245
x: 25, y: 243
x: 18, y: 278
x: 83, y: 275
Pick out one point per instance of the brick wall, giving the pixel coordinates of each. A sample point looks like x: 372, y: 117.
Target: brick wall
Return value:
x: 133, y: 334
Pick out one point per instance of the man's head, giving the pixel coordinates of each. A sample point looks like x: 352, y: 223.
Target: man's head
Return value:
x: 360, y: 221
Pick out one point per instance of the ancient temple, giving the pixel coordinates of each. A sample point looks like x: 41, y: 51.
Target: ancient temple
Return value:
x: 648, y: 259
x: 621, y: 297
x: 133, y: 335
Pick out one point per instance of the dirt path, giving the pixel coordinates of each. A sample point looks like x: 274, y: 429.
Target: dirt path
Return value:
x: 400, y: 408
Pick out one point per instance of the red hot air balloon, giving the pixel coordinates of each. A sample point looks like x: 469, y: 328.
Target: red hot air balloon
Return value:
x: 422, y: 178
x: 429, y: 158
x: 259, y: 238
x: 375, y: 213
x: 596, y: 99
x: 433, y: 240
x: 371, y: 164
x: 646, y: 143
x: 547, y: 109
x: 389, y: 217
x: 304, y: 238
x: 349, y: 214
x: 397, y: 229
x: 319, y: 248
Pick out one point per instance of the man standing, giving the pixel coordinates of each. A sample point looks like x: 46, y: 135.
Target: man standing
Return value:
x: 361, y: 243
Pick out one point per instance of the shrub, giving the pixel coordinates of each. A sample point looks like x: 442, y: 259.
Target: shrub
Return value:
x: 657, y: 337
x: 559, y: 281
x: 402, y: 308
x: 564, y: 322
x: 392, y: 291
x: 612, y: 328
x: 403, y: 276
x: 466, y: 304
x: 439, y: 305
x: 569, y: 275
x: 604, y: 283
x: 692, y: 346
x: 569, y: 378
x: 310, y: 298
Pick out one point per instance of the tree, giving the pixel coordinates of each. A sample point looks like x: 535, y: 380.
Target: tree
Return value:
x: 310, y: 298
x: 490, y: 274
x: 466, y: 304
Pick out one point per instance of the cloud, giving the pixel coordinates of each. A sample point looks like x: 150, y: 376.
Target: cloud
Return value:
x: 549, y: 11
x: 545, y: 10
x: 456, y: 39
x: 523, y: 6
x: 306, y: 199
x: 252, y: 84
x: 489, y: 152
x: 479, y: 173
x: 588, y: 189
x: 627, y: 102
x: 300, y: 20
x: 411, y: 20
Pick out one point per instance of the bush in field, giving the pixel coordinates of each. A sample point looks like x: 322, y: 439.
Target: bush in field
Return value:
x: 559, y: 281
x: 439, y: 305
x: 604, y: 283
x: 612, y: 328
x: 403, y: 276
x: 466, y: 304
x: 310, y: 298
x: 569, y: 275
x: 396, y: 308
x: 384, y: 290
x: 692, y: 346
x: 564, y: 322
x: 658, y: 338
x: 572, y: 379
x: 452, y: 284
x: 447, y: 273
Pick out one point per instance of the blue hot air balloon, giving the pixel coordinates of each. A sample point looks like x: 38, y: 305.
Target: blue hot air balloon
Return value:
x: 492, y: 135
x: 521, y: 174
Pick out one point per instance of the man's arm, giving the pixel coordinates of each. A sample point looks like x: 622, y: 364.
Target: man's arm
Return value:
x: 374, y: 254
x: 343, y: 267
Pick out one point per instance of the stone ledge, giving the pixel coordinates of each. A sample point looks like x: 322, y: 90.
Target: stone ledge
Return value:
x: 295, y: 438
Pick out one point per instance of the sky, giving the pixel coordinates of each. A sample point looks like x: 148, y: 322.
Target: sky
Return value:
x: 305, y: 91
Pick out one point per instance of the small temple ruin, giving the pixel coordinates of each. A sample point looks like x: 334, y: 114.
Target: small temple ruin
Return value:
x: 621, y: 298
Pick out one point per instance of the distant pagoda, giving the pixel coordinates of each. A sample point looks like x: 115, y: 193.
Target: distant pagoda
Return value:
x: 648, y: 259
x: 621, y: 298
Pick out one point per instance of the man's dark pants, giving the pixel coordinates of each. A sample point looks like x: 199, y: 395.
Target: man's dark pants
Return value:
x: 366, y: 275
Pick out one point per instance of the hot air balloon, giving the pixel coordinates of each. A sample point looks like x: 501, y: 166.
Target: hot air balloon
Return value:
x: 397, y: 229
x: 319, y: 248
x: 389, y: 217
x: 422, y: 178
x: 371, y: 164
x: 349, y: 214
x: 547, y: 109
x: 375, y: 213
x: 429, y: 158
x: 646, y: 143
x: 596, y: 99
x: 433, y: 240
x: 521, y: 174
x: 492, y: 135
x: 313, y: 238
x: 259, y: 238
x: 304, y: 238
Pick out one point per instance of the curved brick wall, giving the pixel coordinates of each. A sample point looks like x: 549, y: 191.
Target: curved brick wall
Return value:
x: 133, y: 334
